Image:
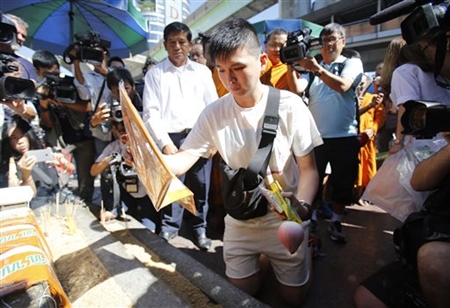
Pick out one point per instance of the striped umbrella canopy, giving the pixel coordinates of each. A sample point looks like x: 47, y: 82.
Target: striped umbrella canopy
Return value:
x: 53, y: 24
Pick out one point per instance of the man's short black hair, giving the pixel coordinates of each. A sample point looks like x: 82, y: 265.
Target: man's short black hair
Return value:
x: 115, y: 59
x: 44, y: 59
x: 116, y: 75
x: 177, y: 27
x: 232, y: 35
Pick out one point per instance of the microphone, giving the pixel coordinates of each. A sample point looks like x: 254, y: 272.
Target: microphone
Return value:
x: 394, y: 11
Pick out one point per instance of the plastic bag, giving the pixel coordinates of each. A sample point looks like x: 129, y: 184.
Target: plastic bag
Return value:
x: 390, y: 188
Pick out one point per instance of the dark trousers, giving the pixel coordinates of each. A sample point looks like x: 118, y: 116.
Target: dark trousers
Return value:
x: 84, y: 154
x: 342, y: 154
x: 197, y: 180
x: 141, y: 208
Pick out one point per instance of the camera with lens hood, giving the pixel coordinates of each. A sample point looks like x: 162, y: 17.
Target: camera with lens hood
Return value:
x: 90, y: 48
x: 299, y: 43
x: 12, y: 87
x: 59, y: 88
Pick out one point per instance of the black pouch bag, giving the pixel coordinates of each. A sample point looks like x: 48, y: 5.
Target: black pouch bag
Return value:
x: 241, y: 195
x: 241, y: 202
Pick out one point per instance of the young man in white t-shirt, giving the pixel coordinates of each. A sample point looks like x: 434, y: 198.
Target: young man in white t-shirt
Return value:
x: 232, y: 125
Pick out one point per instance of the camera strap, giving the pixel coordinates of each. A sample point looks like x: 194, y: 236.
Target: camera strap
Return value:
x: 100, y: 95
x: 260, y: 161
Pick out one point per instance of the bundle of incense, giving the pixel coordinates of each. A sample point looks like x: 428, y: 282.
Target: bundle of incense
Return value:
x: 71, y: 209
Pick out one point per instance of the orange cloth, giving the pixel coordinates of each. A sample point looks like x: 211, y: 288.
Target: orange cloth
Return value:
x: 275, y: 75
x: 221, y: 90
x: 372, y: 119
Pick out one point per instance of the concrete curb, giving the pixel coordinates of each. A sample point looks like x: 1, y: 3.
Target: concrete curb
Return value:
x: 137, y: 281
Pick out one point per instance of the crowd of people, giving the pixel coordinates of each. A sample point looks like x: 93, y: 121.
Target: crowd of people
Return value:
x: 204, y: 106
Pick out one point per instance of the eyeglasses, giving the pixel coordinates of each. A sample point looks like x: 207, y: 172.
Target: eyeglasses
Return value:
x: 332, y: 40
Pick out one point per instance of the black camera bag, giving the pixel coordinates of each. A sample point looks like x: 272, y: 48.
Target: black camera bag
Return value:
x: 242, y: 198
x: 430, y: 224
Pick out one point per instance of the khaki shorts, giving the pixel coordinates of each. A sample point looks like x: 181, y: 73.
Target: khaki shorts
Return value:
x: 245, y: 240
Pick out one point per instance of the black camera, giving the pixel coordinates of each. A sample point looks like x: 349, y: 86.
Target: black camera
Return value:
x: 8, y: 32
x: 124, y: 174
x: 425, y: 20
x: 425, y: 119
x: 90, y: 48
x: 298, y: 44
x: 116, y: 112
x: 12, y: 87
x: 61, y: 89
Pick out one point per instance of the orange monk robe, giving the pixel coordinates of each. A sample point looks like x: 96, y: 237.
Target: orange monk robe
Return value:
x: 372, y: 119
x: 275, y: 76
x: 221, y: 90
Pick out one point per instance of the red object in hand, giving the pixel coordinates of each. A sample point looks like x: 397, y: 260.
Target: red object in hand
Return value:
x: 291, y: 235
x: 363, y: 138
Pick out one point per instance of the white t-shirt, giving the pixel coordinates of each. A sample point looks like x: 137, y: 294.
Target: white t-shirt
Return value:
x: 235, y: 132
x: 409, y: 82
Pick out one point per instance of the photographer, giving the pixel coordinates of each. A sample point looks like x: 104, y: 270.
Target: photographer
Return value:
x: 332, y: 103
x: 421, y: 276
x: 132, y: 193
x: 64, y: 122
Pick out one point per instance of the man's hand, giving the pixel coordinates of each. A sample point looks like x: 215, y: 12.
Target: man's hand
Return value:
x: 170, y: 149
x: 17, y: 105
x: 102, y: 114
x: 309, y: 63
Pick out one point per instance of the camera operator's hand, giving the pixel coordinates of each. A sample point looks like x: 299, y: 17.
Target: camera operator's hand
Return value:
x: 114, y: 158
x: 309, y: 63
x: 102, y: 114
x: 73, y: 53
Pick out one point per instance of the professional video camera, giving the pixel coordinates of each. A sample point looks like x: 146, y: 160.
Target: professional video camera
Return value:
x: 299, y: 43
x: 90, y: 48
x: 8, y: 32
x: 425, y: 119
x: 11, y: 87
x: 116, y: 112
x: 123, y: 173
x: 60, y: 88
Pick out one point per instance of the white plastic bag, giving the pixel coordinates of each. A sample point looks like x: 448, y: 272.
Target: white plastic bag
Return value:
x: 390, y: 189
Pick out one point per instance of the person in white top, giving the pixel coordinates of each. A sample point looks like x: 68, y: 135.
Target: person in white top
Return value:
x: 233, y: 126
x: 176, y: 92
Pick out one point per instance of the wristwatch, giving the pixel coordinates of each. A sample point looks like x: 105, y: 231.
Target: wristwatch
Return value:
x: 318, y: 73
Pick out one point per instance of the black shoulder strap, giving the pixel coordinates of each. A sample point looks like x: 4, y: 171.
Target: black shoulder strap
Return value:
x: 100, y: 95
x: 259, y: 162
x: 340, y: 67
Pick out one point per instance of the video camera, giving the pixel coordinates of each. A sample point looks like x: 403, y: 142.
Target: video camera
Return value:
x: 61, y: 89
x: 299, y: 43
x: 124, y: 174
x: 8, y: 32
x: 12, y: 87
x: 425, y: 119
x: 90, y: 48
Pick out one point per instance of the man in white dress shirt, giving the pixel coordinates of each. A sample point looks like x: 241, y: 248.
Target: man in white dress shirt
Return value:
x: 176, y: 92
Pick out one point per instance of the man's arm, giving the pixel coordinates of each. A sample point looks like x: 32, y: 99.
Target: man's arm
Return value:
x: 335, y: 82
x: 431, y: 172
x: 309, y: 177
x: 296, y: 84
x: 180, y: 162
